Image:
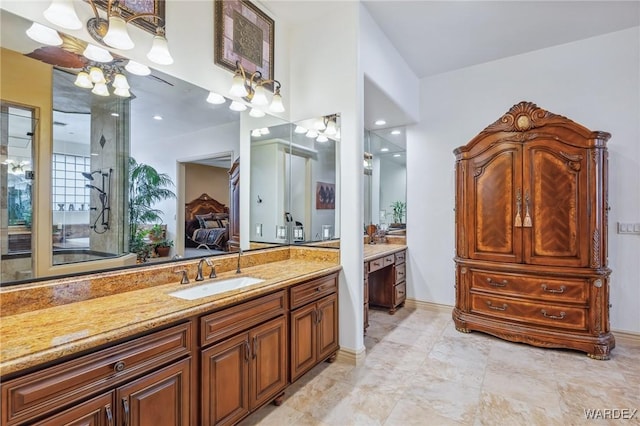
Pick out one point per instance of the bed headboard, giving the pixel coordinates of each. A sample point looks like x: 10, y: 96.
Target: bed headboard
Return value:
x: 202, y: 205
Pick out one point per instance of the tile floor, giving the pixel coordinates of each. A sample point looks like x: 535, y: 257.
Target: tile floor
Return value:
x: 420, y: 371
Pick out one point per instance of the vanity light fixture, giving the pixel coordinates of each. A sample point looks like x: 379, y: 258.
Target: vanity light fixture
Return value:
x: 45, y: 35
x: 252, y: 88
x: 96, y: 79
x: 264, y: 131
x: 111, y: 31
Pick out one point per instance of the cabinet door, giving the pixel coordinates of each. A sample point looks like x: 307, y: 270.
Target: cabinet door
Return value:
x: 303, y: 340
x: 95, y: 412
x: 268, y: 361
x: 327, y: 326
x: 225, y: 381
x: 557, y: 186
x: 159, y: 398
x: 493, y: 188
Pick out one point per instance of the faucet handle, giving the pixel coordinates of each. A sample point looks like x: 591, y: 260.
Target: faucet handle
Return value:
x: 185, y: 278
x: 213, y: 274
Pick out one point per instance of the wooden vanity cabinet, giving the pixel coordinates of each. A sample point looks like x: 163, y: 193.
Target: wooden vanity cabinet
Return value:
x: 150, y: 374
x: 387, y: 284
x: 314, y: 323
x: 246, y: 366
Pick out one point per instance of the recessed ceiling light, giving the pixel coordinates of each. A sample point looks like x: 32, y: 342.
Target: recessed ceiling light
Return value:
x: 397, y: 155
x: 115, y: 114
x: 157, y: 117
x: 396, y: 132
x: 384, y: 150
x: 380, y: 123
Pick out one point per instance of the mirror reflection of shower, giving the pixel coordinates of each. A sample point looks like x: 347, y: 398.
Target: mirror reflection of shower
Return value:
x: 101, y: 223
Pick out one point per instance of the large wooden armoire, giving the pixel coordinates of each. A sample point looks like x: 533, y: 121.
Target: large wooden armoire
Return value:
x: 531, y: 233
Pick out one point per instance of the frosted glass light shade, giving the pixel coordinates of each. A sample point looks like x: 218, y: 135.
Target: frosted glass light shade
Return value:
x: 137, y: 68
x: 237, y: 87
x: 83, y: 80
x: 331, y: 128
x: 44, y: 35
x: 122, y: 92
x: 319, y: 124
x: 120, y: 82
x: 100, y: 89
x: 276, y: 103
x: 159, y: 52
x: 264, y: 131
x: 96, y: 75
x: 117, y: 35
x: 256, y: 113
x: 312, y: 134
x: 237, y: 106
x: 63, y: 14
x: 260, y: 96
x: 322, y: 138
x: 215, y: 98
x: 300, y: 130
x: 97, y: 54
x: 256, y: 133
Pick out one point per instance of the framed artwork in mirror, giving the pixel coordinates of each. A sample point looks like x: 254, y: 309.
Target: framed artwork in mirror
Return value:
x: 130, y: 8
x: 325, y: 196
x: 243, y: 34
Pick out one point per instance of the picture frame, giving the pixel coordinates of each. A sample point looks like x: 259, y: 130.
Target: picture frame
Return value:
x: 133, y: 7
x: 245, y: 34
x: 325, y: 196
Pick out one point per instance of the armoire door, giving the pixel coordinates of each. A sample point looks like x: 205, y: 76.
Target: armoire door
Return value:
x: 556, y: 193
x: 494, y: 204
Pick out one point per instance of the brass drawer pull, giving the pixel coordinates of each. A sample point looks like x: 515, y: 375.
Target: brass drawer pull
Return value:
x: 118, y: 366
x: 247, y: 350
x: 109, y: 413
x: 125, y: 407
x: 319, y: 289
x: 497, y: 284
x: 376, y: 264
x: 552, y: 290
x: 401, y: 292
x: 553, y: 317
x: 497, y: 308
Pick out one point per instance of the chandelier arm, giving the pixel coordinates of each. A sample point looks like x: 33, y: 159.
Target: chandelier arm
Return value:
x: 263, y: 82
x: 143, y: 15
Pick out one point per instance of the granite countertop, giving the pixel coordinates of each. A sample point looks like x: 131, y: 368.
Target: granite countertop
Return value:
x: 44, y: 335
x: 373, y: 251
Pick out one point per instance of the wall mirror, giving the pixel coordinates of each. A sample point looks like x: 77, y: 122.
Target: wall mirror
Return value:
x: 85, y: 150
x: 385, y: 183
x: 293, y: 183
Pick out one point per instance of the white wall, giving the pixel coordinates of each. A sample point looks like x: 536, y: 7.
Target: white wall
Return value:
x: 595, y: 82
x: 325, y: 79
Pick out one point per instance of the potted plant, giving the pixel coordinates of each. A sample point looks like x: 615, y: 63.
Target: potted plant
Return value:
x: 399, y: 209
x: 146, y: 188
x: 139, y: 245
x: 156, y: 233
x: 163, y: 247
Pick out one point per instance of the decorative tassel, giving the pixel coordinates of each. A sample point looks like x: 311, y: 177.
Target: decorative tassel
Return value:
x: 518, y: 220
x: 518, y: 223
x: 527, y: 218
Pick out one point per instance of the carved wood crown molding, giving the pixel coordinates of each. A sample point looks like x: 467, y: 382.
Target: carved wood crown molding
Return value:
x: 523, y: 117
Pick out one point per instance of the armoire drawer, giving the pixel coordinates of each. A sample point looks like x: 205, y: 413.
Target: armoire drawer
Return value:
x: 556, y: 316
x: 560, y: 290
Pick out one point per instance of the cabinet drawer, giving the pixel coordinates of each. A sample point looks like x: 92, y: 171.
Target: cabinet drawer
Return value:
x: 59, y: 386
x: 304, y: 293
x: 400, y: 293
x: 400, y: 257
x: 227, y: 322
x: 561, y: 290
x: 381, y: 262
x: 400, y: 273
x: 556, y: 316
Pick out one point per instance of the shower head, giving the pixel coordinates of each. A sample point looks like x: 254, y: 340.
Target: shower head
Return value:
x: 88, y: 175
x: 96, y: 188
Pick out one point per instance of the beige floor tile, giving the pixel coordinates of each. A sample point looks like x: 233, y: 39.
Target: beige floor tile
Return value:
x: 420, y: 371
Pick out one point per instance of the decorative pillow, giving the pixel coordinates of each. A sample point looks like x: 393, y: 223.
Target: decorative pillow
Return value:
x: 208, y: 224
x: 204, y: 217
x: 223, y: 223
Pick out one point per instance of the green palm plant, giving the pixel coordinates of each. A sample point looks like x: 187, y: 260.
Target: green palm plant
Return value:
x: 147, y: 187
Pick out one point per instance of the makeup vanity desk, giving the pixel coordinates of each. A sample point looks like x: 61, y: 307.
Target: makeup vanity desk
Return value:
x: 384, y: 277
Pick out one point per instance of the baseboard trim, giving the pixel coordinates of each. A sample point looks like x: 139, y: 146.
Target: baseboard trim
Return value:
x: 437, y: 307
x: 430, y: 306
x: 352, y: 357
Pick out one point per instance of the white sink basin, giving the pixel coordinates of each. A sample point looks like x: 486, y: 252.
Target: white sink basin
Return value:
x: 215, y: 287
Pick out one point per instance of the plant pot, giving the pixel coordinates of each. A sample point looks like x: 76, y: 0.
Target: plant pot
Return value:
x: 163, y: 251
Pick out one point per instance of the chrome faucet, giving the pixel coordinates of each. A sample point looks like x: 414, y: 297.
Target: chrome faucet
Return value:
x: 212, y: 274
x: 185, y: 278
x: 238, y: 267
